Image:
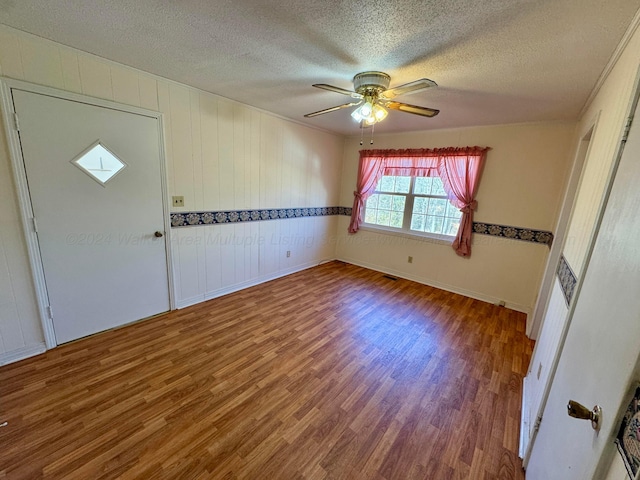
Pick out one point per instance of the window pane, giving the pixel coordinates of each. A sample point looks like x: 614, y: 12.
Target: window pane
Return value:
x: 398, y: 203
x: 431, y: 215
x: 417, y: 222
x: 383, y: 217
x: 386, y: 184
x: 452, y: 211
x: 99, y: 163
x: 451, y: 226
x: 384, y: 201
x: 437, y: 188
x: 420, y: 205
x: 434, y: 224
x: 402, y: 184
x: 437, y: 206
x: 396, y: 219
x: 370, y: 215
x: 422, y: 185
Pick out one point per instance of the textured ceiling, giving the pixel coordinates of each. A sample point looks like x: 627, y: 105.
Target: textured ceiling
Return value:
x: 496, y: 61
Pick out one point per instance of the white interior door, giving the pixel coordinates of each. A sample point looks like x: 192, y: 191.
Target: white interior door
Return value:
x: 95, y: 184
x: 600, y: 357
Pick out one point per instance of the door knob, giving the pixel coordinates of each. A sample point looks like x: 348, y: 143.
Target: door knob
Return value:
x: 158, y: 234
x: 576, y: 410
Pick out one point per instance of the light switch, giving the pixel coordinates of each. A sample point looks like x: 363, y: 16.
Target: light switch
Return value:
x: 178, y: 201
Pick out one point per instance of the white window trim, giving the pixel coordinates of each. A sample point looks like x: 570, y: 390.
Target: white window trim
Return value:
x: 426, y: 237
x: 408, y: 211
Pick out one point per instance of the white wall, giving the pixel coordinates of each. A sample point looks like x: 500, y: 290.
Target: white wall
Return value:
x: 220, y: 155
x: 522, y: 185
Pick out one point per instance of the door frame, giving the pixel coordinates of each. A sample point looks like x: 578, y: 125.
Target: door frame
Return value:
x: 580, y: 158
x: 7, y: 85
x: 562, y: 227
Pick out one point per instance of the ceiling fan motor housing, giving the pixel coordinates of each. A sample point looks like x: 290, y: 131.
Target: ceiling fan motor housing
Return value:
x: 371, y: 81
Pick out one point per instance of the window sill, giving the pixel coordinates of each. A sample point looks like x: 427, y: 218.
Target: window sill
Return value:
x: 420, y: 237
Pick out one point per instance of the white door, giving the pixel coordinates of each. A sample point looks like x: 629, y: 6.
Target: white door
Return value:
x: 600, y: 356
x: 94, y: 179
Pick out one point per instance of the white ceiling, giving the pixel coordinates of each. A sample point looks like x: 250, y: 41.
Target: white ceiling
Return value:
x: 496, y: 61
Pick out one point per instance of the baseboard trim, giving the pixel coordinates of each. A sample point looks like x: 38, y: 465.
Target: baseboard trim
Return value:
x: 442, y: 286
x: 187, y: 302
x: 250, y: 283
x: 22, y: 353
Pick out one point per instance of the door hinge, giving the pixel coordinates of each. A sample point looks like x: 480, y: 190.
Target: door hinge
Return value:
x: 627, y: 128
x: 536, y: 426
x: 16, y: 121
x: 49, y: 312
x: 35, y: 225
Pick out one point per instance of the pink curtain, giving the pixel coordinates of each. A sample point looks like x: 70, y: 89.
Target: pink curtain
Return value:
x: 369, y: 173
x: 458, y: 168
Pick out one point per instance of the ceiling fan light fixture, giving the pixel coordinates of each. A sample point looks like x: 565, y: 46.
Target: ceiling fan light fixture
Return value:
x: 356, y: 115
x: 366, y: 109
x: 370, y: 121
x: 379, y: 113
x: 370, y: 113
x: 372, y: 90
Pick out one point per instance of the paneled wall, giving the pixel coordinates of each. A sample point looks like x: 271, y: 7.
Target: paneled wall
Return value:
x: 221, y: 155
x: 610, y: 107
x: 522, y: 186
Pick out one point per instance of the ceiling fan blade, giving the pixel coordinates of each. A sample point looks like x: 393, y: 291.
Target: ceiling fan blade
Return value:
x: 411, y: 87
x: 332, y: 109
x: 331, y: 88
x: 416, y: 110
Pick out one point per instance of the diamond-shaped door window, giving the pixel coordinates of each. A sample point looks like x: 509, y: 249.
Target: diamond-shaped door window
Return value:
x: 99, y: 163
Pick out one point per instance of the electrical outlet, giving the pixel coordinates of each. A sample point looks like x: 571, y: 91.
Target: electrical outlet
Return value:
x: 288, y: 253
x: 410, y: 259
x: 178, y: 201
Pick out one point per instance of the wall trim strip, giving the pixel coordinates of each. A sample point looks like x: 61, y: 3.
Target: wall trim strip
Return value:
x: 192, y: 219
x: 515, y: 233
x: 567, y: 279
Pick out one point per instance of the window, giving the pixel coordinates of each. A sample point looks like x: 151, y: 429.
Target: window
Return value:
x: 414, y: 204
x: 422, y: 205
x: 99, y: 163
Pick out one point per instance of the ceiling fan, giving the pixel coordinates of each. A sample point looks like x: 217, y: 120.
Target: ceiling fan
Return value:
x: 371, y: 89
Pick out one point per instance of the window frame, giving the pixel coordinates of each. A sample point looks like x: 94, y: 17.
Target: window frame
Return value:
x: 408, y: 212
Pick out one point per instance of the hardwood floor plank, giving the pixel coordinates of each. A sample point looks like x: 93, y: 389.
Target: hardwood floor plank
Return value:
x: 336, y: 372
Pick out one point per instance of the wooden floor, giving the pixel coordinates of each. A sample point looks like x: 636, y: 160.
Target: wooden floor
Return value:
x: 333, y: 372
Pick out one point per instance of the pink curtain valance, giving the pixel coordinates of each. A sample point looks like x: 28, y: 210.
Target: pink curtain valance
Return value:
x: 459, y: 168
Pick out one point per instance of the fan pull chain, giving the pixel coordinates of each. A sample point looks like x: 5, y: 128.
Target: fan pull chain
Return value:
x: 372, y: 128
x: 361, y: 131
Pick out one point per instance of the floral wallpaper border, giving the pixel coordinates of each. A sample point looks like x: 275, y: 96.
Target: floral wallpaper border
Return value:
x: 567, y: 279
x: 190, y: 219
x: 515, y: 233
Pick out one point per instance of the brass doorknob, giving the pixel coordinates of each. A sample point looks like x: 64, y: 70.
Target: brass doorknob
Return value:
x: 577, y: 410
x: 158, y: 234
